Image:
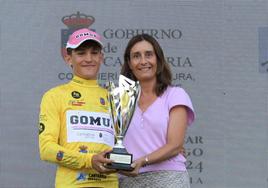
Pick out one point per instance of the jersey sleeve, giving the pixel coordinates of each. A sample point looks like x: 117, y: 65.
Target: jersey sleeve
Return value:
x: 178, y: 96
x: 49, y: 133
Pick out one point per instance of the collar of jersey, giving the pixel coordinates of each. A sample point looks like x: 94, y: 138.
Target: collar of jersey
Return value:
x: 84, y: 82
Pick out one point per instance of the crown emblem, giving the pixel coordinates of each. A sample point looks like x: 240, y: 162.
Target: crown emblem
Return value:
x: 83, y: 149
x: 78, y: 20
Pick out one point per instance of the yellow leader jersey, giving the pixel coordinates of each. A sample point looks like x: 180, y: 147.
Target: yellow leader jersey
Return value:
x: 74, y: 125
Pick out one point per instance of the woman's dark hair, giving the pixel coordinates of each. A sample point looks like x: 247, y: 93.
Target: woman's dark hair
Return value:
x: 163, y: 73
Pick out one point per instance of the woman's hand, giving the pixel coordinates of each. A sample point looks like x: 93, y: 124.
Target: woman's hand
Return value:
x: 136, y: 165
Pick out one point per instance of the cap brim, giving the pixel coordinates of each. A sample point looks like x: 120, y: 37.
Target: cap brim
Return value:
x: 74, y: 46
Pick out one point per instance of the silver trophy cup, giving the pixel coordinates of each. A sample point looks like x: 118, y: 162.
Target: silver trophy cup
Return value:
x: 122, y: 100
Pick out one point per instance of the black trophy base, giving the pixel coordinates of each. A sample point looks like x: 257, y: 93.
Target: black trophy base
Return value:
x: 119, y: 166
x: 122, y: 160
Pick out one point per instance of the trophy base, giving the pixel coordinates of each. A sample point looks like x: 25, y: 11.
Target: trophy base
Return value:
x: 119, y: 166
x: 122, y: 160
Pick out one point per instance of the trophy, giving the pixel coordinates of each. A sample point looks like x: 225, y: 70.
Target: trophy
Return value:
x: 122, y: 101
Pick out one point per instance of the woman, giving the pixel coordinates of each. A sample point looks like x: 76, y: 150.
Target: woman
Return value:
x: 156, y: 134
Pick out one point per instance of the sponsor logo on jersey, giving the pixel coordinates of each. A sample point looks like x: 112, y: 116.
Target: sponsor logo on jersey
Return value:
x: 83, y: 149
x: 87, y: 118
x: 76, y: 103
x: 41, y: 128
x: 102, y: 101
x: 42, y: 117
x: 59, y: 156
x: 81, y: 176
x: 76, y: 94
x: 96, y: 177
x: 86, y: 126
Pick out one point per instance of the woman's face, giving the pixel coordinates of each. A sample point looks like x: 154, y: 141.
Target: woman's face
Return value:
x: 143, y: 61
